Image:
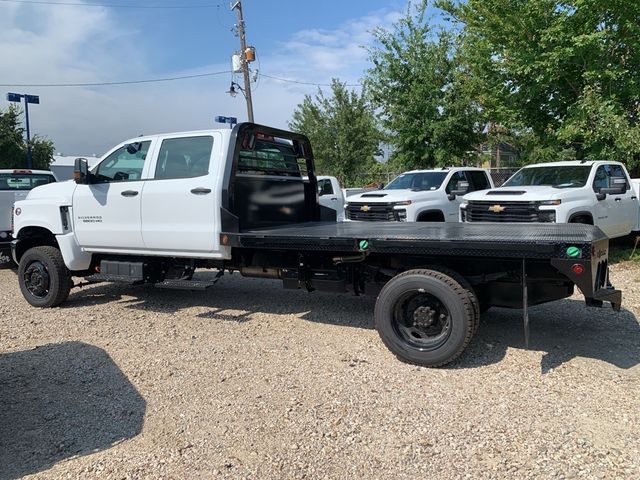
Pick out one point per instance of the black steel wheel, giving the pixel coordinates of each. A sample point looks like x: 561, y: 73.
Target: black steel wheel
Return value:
x: 43, y: 277
x: 426, y: 317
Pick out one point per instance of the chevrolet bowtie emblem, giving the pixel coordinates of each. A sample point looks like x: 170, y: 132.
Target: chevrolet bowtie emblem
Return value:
x: 497, y: 208
x: 365, y: 208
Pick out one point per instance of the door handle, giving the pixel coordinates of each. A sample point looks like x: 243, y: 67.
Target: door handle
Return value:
x: 634, y: 198
x: 618, y: 199
x: 129, y: 193
x: 200, y: 191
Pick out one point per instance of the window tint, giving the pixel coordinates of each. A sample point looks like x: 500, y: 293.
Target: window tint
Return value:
x: 603, y: 176
x: 125, y: 164
x: 184, y: 157
x: 479, y: 180
x: 17, y: 181
x: 455, y: 179
x: 271, y: 156
x: 325, y: 187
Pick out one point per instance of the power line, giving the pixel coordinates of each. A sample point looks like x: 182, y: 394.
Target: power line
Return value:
x: 126, y: 82
x: 80, y: 4
x: 306, y: 83
x: 166, y: 79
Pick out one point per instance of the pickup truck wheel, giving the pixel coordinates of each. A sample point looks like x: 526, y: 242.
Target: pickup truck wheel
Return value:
x: 425, y: 317
x: 43, y: 277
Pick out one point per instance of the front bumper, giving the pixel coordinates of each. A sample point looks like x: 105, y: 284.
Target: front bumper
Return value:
x: 5, y: 244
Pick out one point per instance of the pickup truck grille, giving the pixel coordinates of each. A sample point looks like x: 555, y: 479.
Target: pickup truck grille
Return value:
x: 381, y: 212
x: 501, y: 211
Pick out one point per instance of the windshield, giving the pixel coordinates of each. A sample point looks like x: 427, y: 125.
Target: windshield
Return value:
x: 570, y: 176
x: 417, y: 181
x: 23, y: 181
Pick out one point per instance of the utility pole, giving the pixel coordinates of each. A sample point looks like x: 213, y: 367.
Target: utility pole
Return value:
x: 243, y: 59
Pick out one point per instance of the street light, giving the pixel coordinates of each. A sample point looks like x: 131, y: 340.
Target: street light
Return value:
x: 16, y: 98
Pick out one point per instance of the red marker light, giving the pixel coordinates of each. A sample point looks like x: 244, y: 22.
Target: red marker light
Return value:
x: 577, y: 269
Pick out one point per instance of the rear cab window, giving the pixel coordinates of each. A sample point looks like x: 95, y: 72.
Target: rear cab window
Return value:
x: 23, y: 180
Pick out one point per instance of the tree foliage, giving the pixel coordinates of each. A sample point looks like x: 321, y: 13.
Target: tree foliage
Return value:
x: 420, y: 89
x: 13, y: 147
x: 562, y: 75
x: 342, y: 130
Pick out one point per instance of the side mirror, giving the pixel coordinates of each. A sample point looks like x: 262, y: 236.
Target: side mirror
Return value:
x: 81, y: 171
x: 617, y: 186
x: 462, y: 189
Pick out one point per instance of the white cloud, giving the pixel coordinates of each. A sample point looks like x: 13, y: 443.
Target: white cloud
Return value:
x: 86, y: 45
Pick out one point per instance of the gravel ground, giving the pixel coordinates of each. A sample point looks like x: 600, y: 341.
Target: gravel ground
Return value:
x: 251, y: 381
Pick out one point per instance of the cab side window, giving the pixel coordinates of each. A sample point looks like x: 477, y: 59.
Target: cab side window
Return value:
x: 455, y: 179
x: 125, y: 164
x: 185, y: 157
x: 325, y: 187
x: 479, y: 180
x: 603, y: 176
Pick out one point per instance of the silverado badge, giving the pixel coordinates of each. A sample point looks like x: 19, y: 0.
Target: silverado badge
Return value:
x: 497, y: 208
x: 365, y: 208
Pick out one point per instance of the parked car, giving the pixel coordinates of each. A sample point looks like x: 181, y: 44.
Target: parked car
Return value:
x: 419, y: 196
x: 14, y: 186
x: 593, y: 192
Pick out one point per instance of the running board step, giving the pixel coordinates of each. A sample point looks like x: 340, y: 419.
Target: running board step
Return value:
x: 102, y: 277
x: 185, y: 284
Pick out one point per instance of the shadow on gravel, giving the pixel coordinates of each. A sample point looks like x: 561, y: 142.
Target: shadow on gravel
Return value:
x: 235, y: 299
x: 563, y: 330
x: 60, y: 401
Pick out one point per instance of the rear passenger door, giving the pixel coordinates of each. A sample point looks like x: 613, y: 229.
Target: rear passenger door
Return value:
x: 179, y: 207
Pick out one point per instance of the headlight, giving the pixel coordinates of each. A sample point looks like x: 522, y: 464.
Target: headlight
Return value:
x: 406, y: 202
x: 550, y: 202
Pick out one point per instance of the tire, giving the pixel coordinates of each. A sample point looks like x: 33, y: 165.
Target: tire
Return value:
x: 464, y: 283
x: 425, y: 317
x: 43, y: 277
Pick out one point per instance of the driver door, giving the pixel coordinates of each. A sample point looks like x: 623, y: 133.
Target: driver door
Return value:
x: 107, y: 212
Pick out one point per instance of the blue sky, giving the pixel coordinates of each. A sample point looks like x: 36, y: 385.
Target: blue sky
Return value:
x: 304, y: 41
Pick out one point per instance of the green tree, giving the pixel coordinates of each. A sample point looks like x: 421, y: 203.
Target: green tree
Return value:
x: 13, y: 147
x: 420, y: 89
x: 557, y: 73
x: 342, y: 130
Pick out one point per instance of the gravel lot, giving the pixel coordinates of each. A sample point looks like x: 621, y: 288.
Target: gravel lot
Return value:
x: 251, y: 381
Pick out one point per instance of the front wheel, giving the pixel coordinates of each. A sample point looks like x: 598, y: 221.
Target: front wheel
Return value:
x: 425, y: 317
x: 43, y: 277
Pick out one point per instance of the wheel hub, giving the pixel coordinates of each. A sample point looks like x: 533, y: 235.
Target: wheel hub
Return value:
x: 36, y: 279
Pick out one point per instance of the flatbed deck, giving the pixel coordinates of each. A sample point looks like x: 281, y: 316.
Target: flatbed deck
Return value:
x: 462, y: 239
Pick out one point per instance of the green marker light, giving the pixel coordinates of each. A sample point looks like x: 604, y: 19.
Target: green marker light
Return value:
x: 363, y: 244
x: 573, y: 251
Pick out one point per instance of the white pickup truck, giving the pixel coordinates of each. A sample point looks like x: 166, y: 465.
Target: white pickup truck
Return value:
x: 419, y: 196
x: 331, y: 195
x: 14, y: 186
x: 597, y: 193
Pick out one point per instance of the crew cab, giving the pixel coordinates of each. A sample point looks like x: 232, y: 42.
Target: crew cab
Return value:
x: 14, y: 186
x: 156, y: 209
x: 592, y: 192
x: 419, y: 196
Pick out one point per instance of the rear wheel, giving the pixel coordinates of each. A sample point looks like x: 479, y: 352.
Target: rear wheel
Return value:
x: 43, y: 277
x: 425, y: 317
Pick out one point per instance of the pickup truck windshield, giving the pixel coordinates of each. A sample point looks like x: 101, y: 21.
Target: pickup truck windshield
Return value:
x: 417, y: 181
x: 570, y: 176
x: 23, y: 181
